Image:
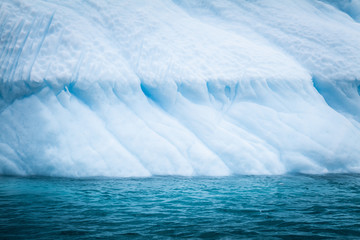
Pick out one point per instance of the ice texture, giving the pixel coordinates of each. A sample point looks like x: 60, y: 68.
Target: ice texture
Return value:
x: 216, y: 87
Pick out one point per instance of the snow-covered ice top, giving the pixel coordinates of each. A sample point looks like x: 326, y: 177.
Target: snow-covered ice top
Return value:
x: 136, y: 88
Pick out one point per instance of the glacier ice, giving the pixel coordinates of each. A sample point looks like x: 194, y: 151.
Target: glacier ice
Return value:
x: 140, y: 88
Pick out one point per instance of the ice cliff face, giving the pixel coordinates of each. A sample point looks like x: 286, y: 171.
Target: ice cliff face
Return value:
x: 139, y: 88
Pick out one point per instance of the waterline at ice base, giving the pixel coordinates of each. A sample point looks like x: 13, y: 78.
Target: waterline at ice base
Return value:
x: 190, y: 88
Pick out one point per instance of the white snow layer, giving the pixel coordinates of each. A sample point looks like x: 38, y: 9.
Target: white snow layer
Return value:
x: 182, y: 87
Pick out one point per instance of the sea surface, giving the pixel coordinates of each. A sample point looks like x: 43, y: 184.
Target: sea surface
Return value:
x: 237, y: 207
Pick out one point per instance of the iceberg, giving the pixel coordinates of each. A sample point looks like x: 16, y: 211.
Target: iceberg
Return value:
x: 214, y: 88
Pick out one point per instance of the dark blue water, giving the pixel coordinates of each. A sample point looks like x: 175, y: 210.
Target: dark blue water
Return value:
x: 249, y: 207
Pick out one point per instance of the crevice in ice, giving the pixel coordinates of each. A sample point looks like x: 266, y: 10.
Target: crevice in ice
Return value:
x: 349, y: 7
x: 341, y: 95
x: 163, y: 94
x: 227, y: 91
x: 151, y: 128
x: 75, y: 72
x: 14, y: 68
x: 222, y: 94
x: 145, y: 89
x: 44, y: 34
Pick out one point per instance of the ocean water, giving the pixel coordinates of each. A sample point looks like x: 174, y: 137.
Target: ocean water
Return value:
x: 237, y: 207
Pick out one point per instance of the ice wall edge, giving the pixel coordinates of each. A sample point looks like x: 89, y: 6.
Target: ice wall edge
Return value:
x: 178, y: 88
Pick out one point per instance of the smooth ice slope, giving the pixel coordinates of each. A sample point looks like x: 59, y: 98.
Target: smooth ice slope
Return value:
x: 137, y: 88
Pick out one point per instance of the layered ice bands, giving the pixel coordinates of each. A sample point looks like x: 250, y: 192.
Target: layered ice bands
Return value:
x: 140, y: 88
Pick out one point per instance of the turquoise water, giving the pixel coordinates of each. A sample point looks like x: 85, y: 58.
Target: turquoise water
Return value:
x: 249, y: 207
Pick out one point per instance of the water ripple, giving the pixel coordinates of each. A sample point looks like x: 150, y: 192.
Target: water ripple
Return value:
x: 249, y: 207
